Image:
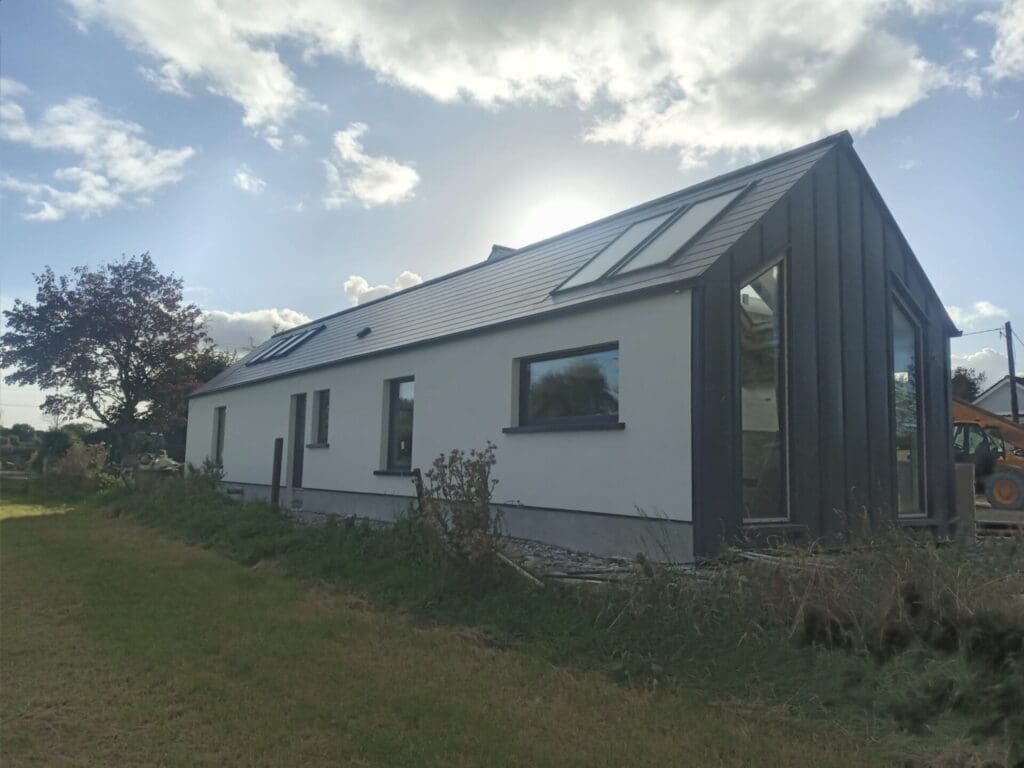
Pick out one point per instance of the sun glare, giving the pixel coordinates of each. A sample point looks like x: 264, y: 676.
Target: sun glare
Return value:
x: 551, y: 215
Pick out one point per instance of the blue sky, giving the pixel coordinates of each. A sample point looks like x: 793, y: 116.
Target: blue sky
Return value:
x: 288, y: 160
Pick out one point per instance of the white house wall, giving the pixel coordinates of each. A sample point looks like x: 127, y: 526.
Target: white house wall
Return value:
x: 997, y: 399
x: 464, y: 396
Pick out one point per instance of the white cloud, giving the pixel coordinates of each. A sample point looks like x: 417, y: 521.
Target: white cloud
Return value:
x: 242, y: 330
x: 210, y: 42
x: 986, y: 360
x: 979, y: 316
x: 247, y: 181
x: 9, y: 87
x: 359, y: 290
x: 1008, y: 50
x: 695, y: 76
x: 116, y: 166
x: 352, y: 174
x: 168, y: 78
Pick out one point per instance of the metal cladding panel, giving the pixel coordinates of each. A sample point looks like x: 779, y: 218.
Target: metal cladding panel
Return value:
x: 519, y: 286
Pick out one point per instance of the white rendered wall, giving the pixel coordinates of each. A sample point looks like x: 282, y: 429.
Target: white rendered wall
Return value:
x: 464, y: 397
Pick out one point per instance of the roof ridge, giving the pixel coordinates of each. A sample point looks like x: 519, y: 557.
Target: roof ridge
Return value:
x: 842, y: 137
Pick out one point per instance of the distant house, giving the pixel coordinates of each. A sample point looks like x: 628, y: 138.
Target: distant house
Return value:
x: 997, y: 397
x: 760, y: 354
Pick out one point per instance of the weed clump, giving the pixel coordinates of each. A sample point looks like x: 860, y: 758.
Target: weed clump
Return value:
x: 456, y: 517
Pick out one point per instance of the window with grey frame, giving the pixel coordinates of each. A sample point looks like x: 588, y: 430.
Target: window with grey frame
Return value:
x: 907, y: 409
x: 763, y: 393
x: 219, y: 424
x: 575, y: 388
x: 321, y: 416
x: 401, y: 402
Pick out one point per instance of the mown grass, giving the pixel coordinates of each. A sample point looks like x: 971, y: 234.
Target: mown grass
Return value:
x: 529, y: 681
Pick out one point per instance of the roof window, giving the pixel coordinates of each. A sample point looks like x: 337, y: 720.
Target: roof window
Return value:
x: 653, y: 241
x: 285, y: 345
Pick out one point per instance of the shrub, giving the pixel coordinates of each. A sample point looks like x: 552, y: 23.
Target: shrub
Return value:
x: 83, y: 465
x: 456, y: 516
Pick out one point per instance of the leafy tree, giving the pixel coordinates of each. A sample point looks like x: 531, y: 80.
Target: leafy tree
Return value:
x: 118, y: 344
x: 967, y: 383
x: 25, y: 433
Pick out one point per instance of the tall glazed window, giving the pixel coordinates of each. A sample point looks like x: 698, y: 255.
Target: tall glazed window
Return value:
x: 762, y: 372
x: 907, y: 408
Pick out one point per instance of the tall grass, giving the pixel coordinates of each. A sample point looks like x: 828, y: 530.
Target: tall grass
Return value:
x: 927, y: 637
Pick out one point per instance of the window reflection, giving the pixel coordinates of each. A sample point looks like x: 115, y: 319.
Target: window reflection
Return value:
x: 571, y: 389
x: 400, y: 424
x: 907, y: 407
x: 762, y: 395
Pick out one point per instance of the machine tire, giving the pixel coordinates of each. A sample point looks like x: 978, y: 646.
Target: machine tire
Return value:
x: 1005, y: 490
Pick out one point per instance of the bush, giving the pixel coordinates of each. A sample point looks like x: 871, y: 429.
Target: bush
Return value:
x: 456, y: 515
x: 83, y: 465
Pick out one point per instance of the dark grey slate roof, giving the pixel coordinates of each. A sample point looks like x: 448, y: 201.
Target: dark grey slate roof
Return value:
x: 518, y: 285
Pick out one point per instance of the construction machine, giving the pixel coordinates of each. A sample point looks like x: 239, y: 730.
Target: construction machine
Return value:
x: 996, y: 448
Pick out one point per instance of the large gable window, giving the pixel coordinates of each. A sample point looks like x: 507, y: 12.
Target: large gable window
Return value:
x: 578, y: 388
x: 907, y: 411
x: 762, y: 370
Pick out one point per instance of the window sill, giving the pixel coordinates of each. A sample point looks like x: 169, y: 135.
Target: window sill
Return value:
x: 318, y: 445
x: 394, y: 472
x: 596, y: 426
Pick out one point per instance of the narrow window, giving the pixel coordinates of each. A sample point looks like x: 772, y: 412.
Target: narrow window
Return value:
x: 219, y: 419
x: 762, y: 372
x: 321, y: 414
x: 298, y: 438
x: 907, y: 409
x: 401, y: 397
x: 569, y: 388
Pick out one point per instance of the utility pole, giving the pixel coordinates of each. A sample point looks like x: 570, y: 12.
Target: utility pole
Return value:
x: 1014, y: 405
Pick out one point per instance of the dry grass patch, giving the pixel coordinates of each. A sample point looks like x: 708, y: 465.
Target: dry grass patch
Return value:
x: 122, y: 647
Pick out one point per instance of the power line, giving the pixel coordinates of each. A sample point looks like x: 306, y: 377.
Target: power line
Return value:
x: 990, y: 330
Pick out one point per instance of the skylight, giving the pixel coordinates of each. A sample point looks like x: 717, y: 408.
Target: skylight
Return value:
x: 615, y: 251
x: 652, y: 241
x: 283, y: 346
x: 679, y: 233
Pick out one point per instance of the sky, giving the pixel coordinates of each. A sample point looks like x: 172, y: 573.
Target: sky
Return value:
x: 287, y: 160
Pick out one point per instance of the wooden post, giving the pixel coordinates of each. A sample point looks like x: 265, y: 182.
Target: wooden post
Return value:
x: 1014, y: 405
x: 275, y: 480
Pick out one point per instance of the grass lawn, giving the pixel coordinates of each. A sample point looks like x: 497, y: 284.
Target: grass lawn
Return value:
x: 122, y: 646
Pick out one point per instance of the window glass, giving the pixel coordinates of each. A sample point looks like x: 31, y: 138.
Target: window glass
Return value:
x: 400, y: 413
x: 763, y: 395
x: 574, y: 388
x: 615, y: 251
x: 995, y: 439
x: 906, y: 392
x: 679, y: 232
x: 959, y: 439
x: 282, y: 347
x: 219, y: 419
x: 322, y: 405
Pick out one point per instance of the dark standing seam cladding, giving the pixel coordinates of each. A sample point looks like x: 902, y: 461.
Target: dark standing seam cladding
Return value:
x: 843, y: 247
